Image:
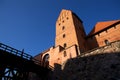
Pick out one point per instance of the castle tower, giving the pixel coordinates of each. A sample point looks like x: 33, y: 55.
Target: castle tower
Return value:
x: 70, y: 31
x: 69, y: 41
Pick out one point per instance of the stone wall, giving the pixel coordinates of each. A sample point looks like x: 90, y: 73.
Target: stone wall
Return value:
x: 98, y: 64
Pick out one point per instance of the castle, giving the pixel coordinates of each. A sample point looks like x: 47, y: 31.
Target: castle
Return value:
x: 72, y: 41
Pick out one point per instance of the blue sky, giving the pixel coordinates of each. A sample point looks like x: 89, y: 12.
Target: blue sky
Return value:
x: 30, y: 24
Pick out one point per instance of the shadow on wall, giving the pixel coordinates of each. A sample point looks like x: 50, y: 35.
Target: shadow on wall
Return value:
x: 97, y: 67
x: 92, y: 41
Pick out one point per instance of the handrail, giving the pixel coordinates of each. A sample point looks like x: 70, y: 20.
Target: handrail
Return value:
x: 15, y: 51
x: 20, y: 54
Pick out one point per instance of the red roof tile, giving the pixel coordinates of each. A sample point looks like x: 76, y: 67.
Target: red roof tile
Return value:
x: 101, y: 26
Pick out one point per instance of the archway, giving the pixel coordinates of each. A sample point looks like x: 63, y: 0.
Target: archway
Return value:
x: 46, y: 60
x: 107, y: 42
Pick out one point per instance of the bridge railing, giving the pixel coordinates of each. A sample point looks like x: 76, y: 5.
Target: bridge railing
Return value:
x: 15, y: 51
x: 20, y: 54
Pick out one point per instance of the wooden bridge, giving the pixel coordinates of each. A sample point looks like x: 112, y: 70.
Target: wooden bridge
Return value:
x: 17, y: 65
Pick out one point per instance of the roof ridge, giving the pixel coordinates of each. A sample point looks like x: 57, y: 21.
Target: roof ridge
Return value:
x: 101, y: 26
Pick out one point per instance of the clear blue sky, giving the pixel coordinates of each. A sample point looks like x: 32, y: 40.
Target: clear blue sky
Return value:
x: 30, y: 24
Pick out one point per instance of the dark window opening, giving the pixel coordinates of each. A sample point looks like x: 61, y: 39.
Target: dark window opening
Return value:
x: 59, y: 24
x: 63, y: 21
x: 65, y: 54
x: 107, y: 42
x: 63, y: 35
x: 65, y: 45
x: 67, y: 18
x: 63, y: 27
x: 58, y: 58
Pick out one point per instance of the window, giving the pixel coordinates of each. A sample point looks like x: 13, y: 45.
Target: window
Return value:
x: 63, y: 21
x: 67, y: 18
x: 63, y: 35
x: 107, y: 42
x: 64, y: 54
x: 46, y: 57
x: 63, y: 27
x: 65, y: 45
x: 59, y: 24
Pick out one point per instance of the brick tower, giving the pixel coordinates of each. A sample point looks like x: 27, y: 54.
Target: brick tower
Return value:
x: 70, y: 31
x: 69, y: 40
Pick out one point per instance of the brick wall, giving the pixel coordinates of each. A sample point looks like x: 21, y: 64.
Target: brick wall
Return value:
x: 111, y: 35
x: 99, y: 64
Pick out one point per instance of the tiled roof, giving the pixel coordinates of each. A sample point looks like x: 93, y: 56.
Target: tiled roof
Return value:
x: 102, y: 25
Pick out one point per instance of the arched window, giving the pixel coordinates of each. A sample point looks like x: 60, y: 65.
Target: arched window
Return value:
x: 46, y: 58
x: 107, y: 42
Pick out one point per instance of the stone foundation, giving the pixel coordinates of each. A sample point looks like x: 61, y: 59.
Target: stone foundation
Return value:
x: 98, y: 64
